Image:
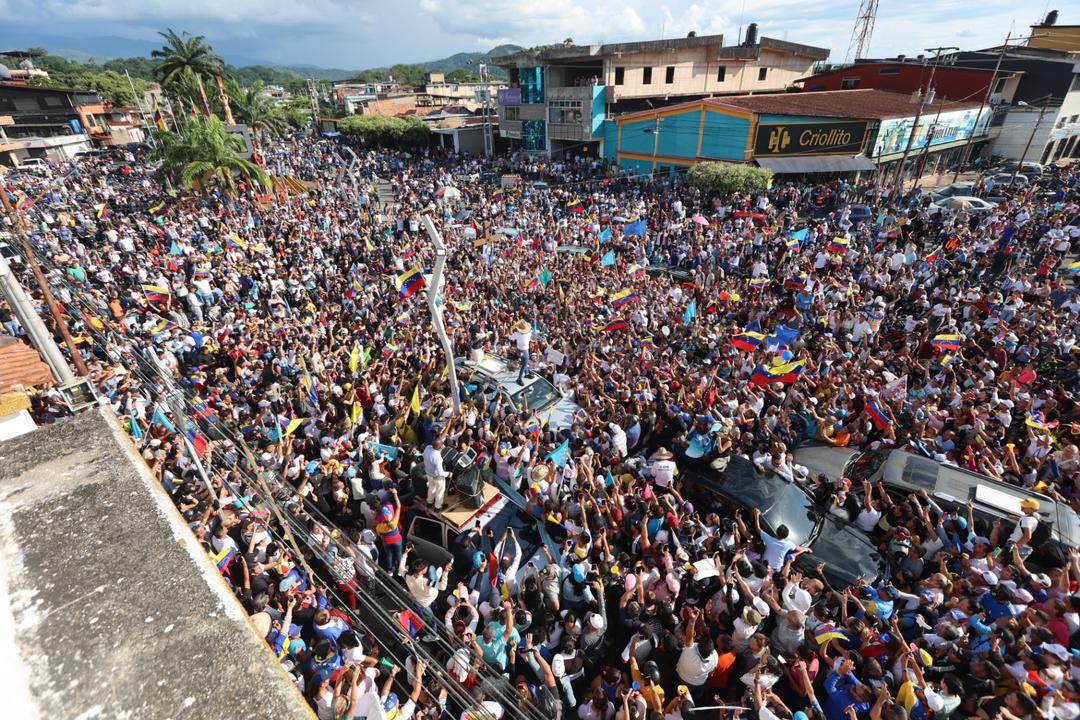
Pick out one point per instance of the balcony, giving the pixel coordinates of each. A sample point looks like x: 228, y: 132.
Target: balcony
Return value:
x: 579, y: 131
x: 579, y: 93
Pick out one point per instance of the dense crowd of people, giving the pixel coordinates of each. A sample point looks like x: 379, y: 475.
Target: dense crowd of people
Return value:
x: 273, y: 356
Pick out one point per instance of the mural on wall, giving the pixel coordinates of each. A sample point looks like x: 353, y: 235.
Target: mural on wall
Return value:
x: 892, y: 135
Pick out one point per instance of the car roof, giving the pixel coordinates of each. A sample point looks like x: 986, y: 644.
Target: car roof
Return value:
x: 958, y: 485
x: 498, y: 370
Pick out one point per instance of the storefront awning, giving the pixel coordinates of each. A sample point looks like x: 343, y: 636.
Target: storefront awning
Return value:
x: 818, y: 164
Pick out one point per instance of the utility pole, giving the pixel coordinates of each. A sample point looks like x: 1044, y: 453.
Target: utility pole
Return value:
x: 982, y: 103
x: 924, y: 98
x: 1042, y: 112
x: 35, y: 329
x: 436, y: 310
x: 46, y: 291
x: 485, y: 90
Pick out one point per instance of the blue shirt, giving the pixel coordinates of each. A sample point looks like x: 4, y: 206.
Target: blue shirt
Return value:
x: 840, y: 697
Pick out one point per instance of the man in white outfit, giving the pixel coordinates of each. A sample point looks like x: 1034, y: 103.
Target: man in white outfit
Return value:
x: 436, y: 475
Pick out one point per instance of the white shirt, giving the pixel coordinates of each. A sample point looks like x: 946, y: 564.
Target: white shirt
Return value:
x: 433, y: 466
x: 663, y: 472
x: 692, y: 668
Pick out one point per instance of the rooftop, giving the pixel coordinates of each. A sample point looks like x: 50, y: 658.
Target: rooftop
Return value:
x: 598, y: 52
x: 21, y: 367
x: 867, y: 103
x: 111, y: 608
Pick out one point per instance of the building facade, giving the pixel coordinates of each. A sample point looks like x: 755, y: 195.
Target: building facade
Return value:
x: 559, y: 98
x: 48, y: 123
x: 797, y: 133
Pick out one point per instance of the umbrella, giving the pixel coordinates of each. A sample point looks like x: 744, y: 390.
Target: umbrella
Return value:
x: 448, y: 193
x: 699, y: 220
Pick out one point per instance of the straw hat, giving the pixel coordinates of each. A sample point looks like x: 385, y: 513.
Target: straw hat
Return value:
x: 540, y: 473
x: 662, y: 454
x: 523, y: 326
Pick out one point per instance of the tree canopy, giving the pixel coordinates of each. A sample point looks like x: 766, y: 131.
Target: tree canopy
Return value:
x: 719, y: 177
x: 206, y: 157
x: 385, y: 131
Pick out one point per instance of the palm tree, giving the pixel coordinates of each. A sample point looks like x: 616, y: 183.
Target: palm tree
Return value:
x: 207, y: 156
x: 183, y: 54
x: 255, y: 110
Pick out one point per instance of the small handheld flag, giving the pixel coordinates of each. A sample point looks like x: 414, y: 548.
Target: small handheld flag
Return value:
x: 409, y: 282
x: 879, y: 418
x: 616, y: 324
x: 948, y: 342
x: 783, y: 373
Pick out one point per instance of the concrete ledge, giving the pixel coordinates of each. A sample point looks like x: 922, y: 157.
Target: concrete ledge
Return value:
x: 108, y: 606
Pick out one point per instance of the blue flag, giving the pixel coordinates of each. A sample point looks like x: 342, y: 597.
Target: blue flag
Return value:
x: 136, y: 431
x: 175, y: 249
x: 782, y: 336
x: 638, y: 227
x: 561, y: 454
x: 605, y: 235
x: 800, y: 235
x: 159, y: 418
x: 691, y: 312
x: 608, y: 259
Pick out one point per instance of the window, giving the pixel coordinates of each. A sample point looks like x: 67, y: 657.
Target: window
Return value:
x: 849, y: 83
x: 721, y: 73
x: 646, y: 76
x: 889, y: 71
x: 669, y: 76
x: 619, y: 73
x: 511, y: 113
x: 1000, y: 87
x: 761, y: 73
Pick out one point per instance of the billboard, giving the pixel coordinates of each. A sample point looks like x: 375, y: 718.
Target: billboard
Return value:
x: 509, y: 97
x: 844, y: 137
x: 934, y: 129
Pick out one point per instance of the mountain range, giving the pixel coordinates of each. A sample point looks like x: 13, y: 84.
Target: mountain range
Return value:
x: 91, y: 48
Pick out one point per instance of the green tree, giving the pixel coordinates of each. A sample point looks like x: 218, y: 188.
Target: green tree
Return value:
x: 727, y: 178
x: 255, y: 110
x: 385, y: 131
x: 186, y: 55
x: 206, y: 156
x: 461, y: 75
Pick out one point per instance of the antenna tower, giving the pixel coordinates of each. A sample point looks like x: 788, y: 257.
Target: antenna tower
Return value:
x: 859, y: 45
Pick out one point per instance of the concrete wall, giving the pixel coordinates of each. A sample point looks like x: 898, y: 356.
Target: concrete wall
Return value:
x: 1020, y: 121
x: 696, y: 71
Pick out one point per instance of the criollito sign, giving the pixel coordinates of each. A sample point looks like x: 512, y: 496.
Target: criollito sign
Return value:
x: 813, y: 138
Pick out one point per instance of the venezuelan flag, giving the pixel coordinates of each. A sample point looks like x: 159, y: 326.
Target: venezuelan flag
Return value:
x: 623, y: 297
x: 758, y: 283
x: 1073, y: 268
x: 947, y: 342
x: 278, y: 330
x: 155, y: 294
x: 224, y: 558
x: 635, y: 271
x: 200, y: 272
x: 750, y: 338
x: 792, y: 243
x: 409, y: 282
x: 879, y: 418
x: 102, y: 211
x: 828, y: 632
x: 389, y: 350
x: 934, y: 255
x: 163, y: 326
x: 532, y: 426
x: 839, y: 245
x: 158, y: 210
x: 795, y: 283
x: 497, y: 197
x: 575, y: 206
x: 616, y: 324
x: 1039, y: 422
x: 235, y: 241
x: 783, y: 373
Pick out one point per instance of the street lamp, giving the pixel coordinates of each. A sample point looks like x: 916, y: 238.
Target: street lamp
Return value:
x: 1045, y: 104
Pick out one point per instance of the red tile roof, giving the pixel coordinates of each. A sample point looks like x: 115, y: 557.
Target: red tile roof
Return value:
x: 865, y: 103
x: 21, y: 367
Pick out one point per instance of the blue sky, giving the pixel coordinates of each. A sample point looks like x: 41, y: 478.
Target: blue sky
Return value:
x: 350, y: 34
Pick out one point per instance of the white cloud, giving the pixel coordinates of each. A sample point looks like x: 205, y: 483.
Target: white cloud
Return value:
x: 325, y: 13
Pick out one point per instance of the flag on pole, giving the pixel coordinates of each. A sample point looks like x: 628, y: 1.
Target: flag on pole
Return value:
x: 616, y: 324
x: 635, y: 228
x: 575, y: 206
x: 691, y: 312
x: 1039, y: 422
x: 608, y: 259
x: 635, y: 271
x: 783, y: 373
x: 947, y: 341
x: 839, y: 245
x: 409, y: 282
x: 758, y: 283
x: 541, y: 280
x: 415, y: 402
x: 159, y: 418
x: 159, y: 121
x: 156, y: 294
x: 136, y: 431
x: 236, y: 242
x: 354, y: 357
x: 561, y: 454
x: 622, y: 298
x: 102, y: 211
x: 750, y: 338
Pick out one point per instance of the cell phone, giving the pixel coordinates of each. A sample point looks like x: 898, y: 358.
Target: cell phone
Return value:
x: 997, y: 552
x: 635, y: 686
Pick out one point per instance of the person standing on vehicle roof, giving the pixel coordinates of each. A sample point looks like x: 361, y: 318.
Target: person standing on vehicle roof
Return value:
x: 521, y: 336
x: 436, y: 475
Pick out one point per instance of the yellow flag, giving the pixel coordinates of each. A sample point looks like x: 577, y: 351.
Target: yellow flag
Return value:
x: 293, y: 424
x: 354, y: 357
x: 415, y: 404
x: 357, y: 413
